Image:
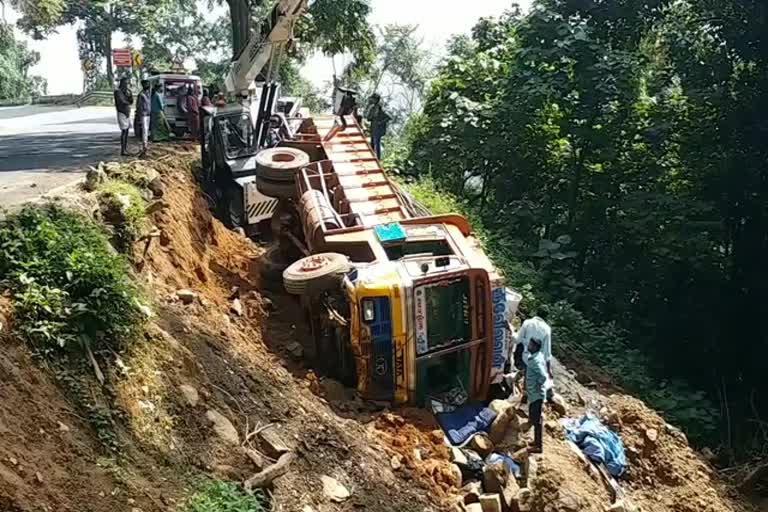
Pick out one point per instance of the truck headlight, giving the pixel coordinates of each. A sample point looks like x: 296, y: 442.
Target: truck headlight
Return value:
x: 368, y: 311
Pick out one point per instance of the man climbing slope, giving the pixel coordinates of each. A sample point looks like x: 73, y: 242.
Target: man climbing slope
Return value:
x: 535, y: 384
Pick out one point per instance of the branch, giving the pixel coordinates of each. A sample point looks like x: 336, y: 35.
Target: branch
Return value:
x: 265, y: 478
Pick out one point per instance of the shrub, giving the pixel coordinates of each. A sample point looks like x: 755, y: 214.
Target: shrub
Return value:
x: 218, y: 496
x: 126, y: 210
x: 70, y: 289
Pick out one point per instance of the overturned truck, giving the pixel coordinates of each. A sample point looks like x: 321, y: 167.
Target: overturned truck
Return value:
x: 403, y: 305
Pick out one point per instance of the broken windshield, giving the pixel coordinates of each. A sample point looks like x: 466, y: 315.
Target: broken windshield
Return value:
x: 237, y: 135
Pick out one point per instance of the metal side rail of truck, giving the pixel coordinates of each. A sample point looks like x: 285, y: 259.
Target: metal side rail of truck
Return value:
x: 403, y: 305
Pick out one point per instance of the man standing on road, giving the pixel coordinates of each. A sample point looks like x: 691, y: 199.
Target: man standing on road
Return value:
x: 123, y: 102
x: 535, y: 384
x: 143, y: 111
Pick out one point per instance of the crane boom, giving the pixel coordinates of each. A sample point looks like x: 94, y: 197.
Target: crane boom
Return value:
x: 276, y: 30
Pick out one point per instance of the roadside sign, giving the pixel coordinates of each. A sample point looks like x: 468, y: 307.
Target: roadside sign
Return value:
x: 121, y: 57
x: 87, y: 65
x: 138, y: 60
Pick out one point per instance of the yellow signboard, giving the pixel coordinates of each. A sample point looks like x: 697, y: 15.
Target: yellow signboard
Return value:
x: 137, y: 60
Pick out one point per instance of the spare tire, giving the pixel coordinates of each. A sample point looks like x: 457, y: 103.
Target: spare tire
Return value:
x: 276, y: 189
x: 314, y: 270
x: 280, y: 164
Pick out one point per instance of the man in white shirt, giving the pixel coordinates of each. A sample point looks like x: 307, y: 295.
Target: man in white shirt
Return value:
x: 536, y: 328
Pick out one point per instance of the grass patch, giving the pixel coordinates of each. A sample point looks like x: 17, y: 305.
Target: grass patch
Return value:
x: 218, y: 496
x: 69, y: 288
x: 124, y: 208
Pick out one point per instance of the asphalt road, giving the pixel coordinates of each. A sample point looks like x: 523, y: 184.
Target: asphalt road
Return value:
x: 42, y: 148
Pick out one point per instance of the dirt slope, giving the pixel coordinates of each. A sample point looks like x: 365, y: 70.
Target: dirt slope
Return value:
x: 203, y: 356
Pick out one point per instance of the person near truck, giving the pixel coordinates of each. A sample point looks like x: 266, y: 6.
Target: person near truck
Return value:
x: 143, y: 112
x: 123, y: 102
x: 193, y: 114
x: 379, y: 120
x: 158, y: 124
x: 535, y: 384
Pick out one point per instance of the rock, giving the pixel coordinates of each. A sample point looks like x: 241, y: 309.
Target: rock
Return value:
x: 558, y: 405
x: 499, y: 406
x: 307, y: 508
x: 156, y: 186
x: 617, y: 507
x: 94, y: 178
x: 13, y: 460
x: 651, y: 436
x: 237, y: 307
x: 532, y: 468
x: 39, y: 476
x: 472, y: 492
x: 474, y: 507
x: 333, y: 489
x: 708, y: 454
x: 295, y: 350
x: 458, y: 457
x: 417, y: 454
x: 505, y: 420
x: 490, y: 502
x: 191, y: 397
x: 145, y: 311
x: 186, y: 296
x: 509, y: 494
x: 457, y: 476
x: 495, y: 477
x: 154, y: 207
x: 271, y: 443
x: 63, y: 427
x: 524, y: 500
x: 225, y: 470
x: 395, y: 463
x: 482, y: 444
x: 223, y: 427
x: 567, y: 501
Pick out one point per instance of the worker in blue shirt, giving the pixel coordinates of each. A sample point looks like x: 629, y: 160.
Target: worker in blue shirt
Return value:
x: 535, y: 383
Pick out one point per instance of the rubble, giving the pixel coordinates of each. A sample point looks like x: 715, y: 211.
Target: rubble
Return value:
x: 334, y: 490
x: 271, y: 443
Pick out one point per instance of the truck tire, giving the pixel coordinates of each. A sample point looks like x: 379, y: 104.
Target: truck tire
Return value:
x: 314, y: 271
x: 280, y: 164
x: 276, y: 189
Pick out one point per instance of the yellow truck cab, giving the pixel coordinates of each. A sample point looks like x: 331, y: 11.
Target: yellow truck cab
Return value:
x: 403, y: 305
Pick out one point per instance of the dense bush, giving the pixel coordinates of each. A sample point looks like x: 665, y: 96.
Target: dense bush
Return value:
x: 69, y: 287
x: 575, y: 337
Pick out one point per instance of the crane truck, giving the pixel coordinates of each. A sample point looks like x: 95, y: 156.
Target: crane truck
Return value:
x: 403, y: 305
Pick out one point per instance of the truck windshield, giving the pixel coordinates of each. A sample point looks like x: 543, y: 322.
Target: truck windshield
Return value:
x: 237, y: 134
x: 443, y: 314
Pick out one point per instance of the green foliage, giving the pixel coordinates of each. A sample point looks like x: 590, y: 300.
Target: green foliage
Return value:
x: 15, y: 61
x: 125, y: 201
x: 339, y: 26
x: 604, y: 345
x: 218, y: 496
x: 69, y: 289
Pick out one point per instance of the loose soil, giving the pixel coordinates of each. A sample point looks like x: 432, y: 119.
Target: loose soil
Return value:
x: 246, y: 368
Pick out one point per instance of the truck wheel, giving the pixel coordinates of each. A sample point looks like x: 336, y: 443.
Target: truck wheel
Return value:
x: 272, y: 264
x: 313, y: 271
x: 280, y: 164
x: 276, y: 189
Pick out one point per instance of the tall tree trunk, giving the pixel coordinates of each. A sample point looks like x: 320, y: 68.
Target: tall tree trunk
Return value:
x: 108, y: 57
x: 240, y: 18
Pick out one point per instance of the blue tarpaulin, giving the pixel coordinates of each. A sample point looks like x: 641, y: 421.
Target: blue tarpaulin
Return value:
x: 599, y: 444
x: 466, y: 421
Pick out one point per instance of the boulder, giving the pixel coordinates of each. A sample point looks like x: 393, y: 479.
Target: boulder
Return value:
x: 524, y: 500
x: 472, y: 492
x: 567, y: 502
x: 236, y: 307
x: 490, y: 502
x: 651, y: 436
x: 495, y: 477
x: 482, y: 444
x: 499, y: 406
x: 156, y: 186
x: 271, y: 443
x: 474, y: 507
x: 505, y: 420
x: 509, y: 495
x: 395, y: 463
x: 333, y: 489
x: 94, y: 178
x: 295, y: 350
x: 458, y: 457
x: 190, y: 394
x: 186, y: 296
x: 223, y: 427
x: 458, y: 478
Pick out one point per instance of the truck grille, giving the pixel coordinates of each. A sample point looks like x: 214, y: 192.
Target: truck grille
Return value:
x: 382, y: 383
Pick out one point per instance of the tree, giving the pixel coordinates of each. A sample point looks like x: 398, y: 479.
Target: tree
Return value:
x: 15, y: 61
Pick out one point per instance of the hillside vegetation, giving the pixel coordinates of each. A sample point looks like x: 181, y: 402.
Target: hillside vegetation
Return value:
x: 614, y: 154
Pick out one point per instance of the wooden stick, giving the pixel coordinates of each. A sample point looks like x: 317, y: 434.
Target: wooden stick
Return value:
x: 264, y: 478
